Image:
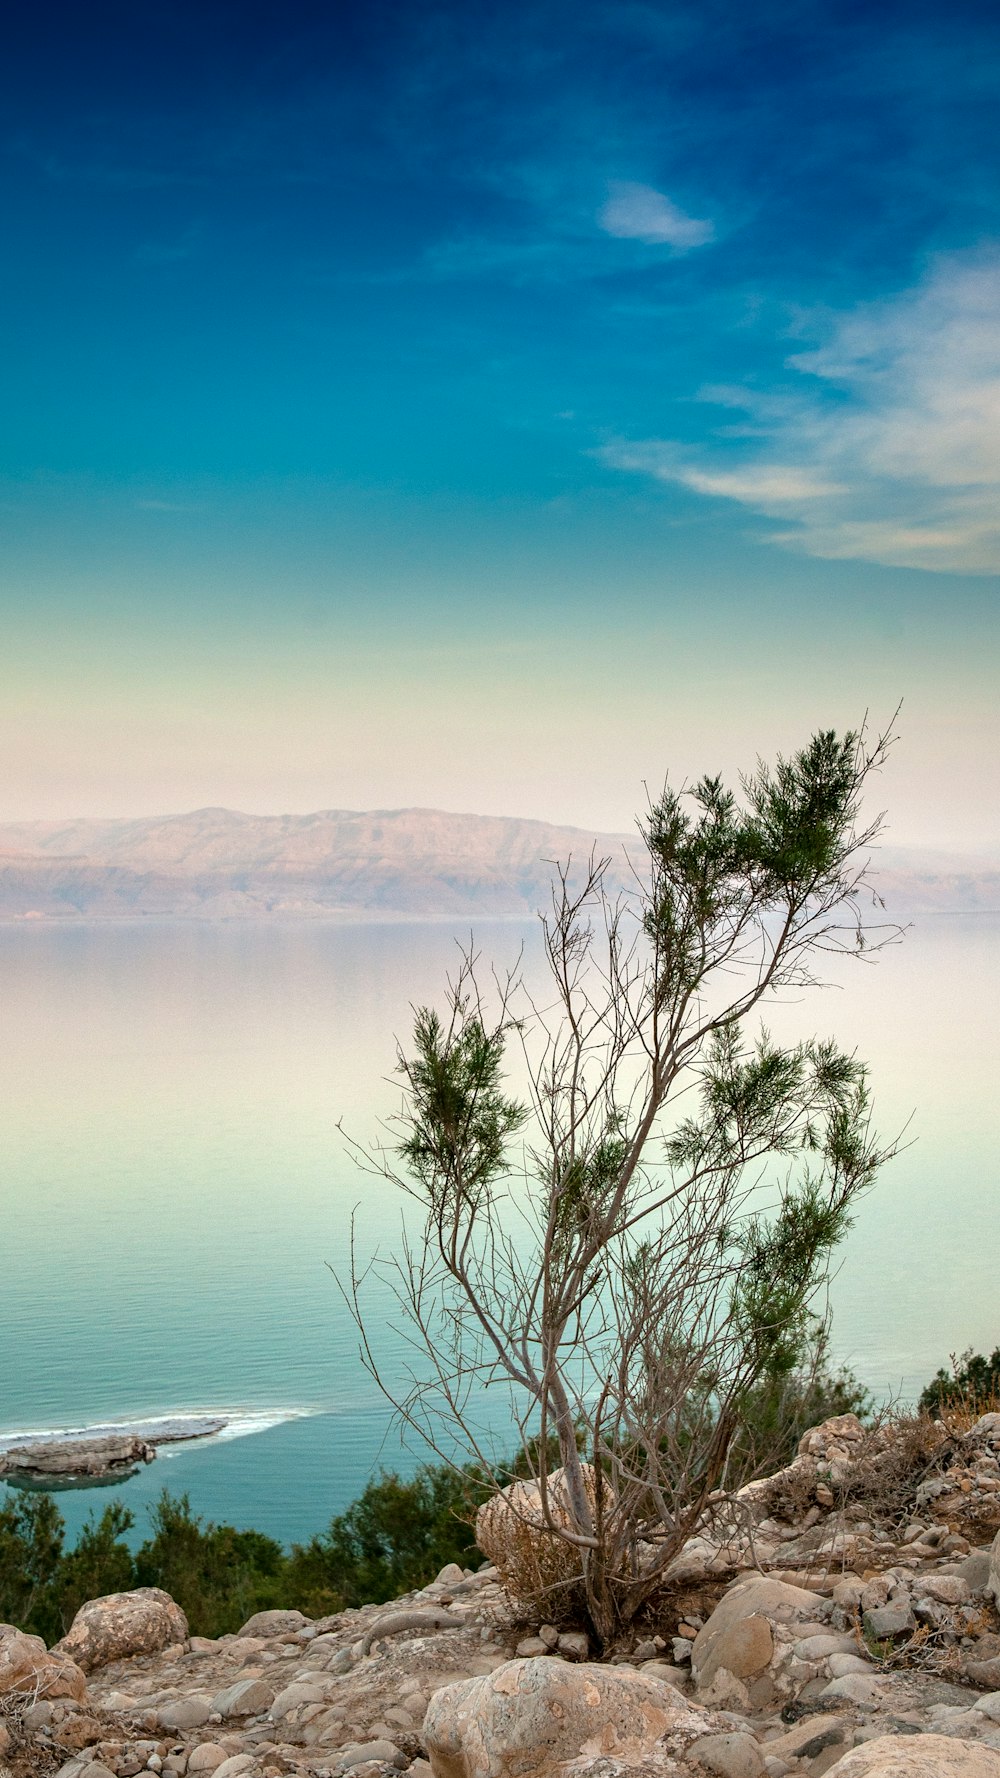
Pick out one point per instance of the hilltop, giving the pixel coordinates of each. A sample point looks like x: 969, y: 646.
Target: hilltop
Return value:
x: 383, y: 864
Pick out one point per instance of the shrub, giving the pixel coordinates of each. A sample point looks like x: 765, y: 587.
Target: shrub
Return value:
x: 973, y: 1383
x: 31, y: 1541
x: 396, y: 1536
x: 218, y: 1575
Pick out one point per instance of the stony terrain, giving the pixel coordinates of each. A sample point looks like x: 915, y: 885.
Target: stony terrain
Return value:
x: 840, y: 1617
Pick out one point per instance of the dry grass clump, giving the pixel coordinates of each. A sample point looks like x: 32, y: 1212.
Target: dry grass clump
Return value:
x: 891, y: 1461
x: 539, y: 1569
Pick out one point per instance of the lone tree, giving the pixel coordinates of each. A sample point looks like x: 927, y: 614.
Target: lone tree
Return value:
x: 631, y: 1243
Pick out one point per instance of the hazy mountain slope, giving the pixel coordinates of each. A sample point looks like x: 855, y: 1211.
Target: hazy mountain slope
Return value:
x: 381, y: 864
x: 413, y: 862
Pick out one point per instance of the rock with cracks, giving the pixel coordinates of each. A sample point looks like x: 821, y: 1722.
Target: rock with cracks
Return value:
x: 121, y: 1624
x: 26, y: 1667
x: 538, y: 1716
x: 922, y: 1756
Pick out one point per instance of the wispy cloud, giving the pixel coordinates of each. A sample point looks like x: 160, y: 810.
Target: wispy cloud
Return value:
x: 886, y: 445
x: 641, y: 213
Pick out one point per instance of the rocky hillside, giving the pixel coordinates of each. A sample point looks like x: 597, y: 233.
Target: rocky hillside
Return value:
x: 215, y: 863
x: 387, y: 864
x: 840, y: 1617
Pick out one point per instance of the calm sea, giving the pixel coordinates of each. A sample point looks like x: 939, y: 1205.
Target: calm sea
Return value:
x: 176, y: 1186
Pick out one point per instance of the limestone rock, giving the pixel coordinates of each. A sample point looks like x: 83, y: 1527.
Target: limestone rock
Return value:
x: 248, y: 1697
x: 536, y: 1716
x: 917, y: 1756
x: 274, y: 1623
x: 72, y: 1459
x: 25, y: 1664
x: 121, y: 1624
x: 731, y: 1755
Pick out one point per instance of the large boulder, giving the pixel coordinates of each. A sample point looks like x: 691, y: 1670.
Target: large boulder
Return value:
x: 735, y: 1656
x: 27, y: 1666
x: 917, y: 1756
x: 512, y: 1533
x: 122, y: 1624
x: 536, y: 1716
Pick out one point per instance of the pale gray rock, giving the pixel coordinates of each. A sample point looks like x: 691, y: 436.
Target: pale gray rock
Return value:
x: 273, y: 1624
x: 533, y: 1716
x: 207, y: 1758
x: 27, y: 1666
x: 235, y: 1767
x: 917, y: 1756
x: 122, y: 1624
x: 732, y: 1755
x: 76, y: 1459
x: 248, y: 1697
x: 184, y: 1713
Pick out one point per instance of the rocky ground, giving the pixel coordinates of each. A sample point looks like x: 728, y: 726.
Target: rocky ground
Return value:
x: 840, y: 1617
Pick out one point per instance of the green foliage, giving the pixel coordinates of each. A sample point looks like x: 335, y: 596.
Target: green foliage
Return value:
x: 218, y: 1575
x: 100, y: 1563
x: 973, y: 1381
x: 396, y: 1536
x: 31, y: 1541
x: 460, y: 1116
x: 785, y: 1402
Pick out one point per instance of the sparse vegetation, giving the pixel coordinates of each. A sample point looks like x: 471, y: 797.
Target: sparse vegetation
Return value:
x: 631, y: 1246
x: 972, y: 1384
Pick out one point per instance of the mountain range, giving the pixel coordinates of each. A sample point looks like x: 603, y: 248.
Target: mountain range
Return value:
x: 390, y: 864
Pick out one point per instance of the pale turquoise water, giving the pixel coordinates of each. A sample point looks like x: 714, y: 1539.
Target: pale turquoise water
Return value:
x: 174, y: 1181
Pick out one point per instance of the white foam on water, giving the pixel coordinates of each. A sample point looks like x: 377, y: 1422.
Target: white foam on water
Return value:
x: 221, y: 1424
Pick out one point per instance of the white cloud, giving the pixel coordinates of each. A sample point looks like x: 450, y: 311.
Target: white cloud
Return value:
x: 887, y: 446
x: 641, y: 213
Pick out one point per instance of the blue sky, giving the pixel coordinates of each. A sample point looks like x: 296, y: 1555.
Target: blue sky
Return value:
x: 491, y: 407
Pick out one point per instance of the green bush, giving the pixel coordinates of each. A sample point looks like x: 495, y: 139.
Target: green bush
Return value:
x: 31, y: 1555
x: 973, y: 1383
x: 395, y: 1537
x: 218, y: 1575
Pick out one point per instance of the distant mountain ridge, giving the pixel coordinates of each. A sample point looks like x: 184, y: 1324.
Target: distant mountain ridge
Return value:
x: 353, y: 864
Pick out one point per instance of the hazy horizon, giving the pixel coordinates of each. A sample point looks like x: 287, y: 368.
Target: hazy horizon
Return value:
x: 486, y: 409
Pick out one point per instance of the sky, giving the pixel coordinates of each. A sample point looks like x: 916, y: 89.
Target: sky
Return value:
x: 497, y: 407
